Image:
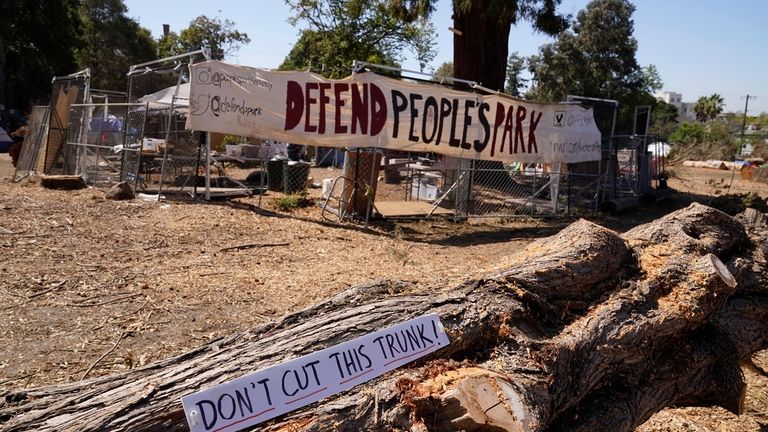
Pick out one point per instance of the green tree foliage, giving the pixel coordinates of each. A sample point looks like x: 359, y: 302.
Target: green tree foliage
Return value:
x: 445, y: 70
x: 736, y: 120
x: 762, y: 120
x: 515, y: 83
x: 341, y: 31
x: 220, y: 36
x: 319, y: 52
x: 112, y: 43
x: 688, y: 133
x: 596, y: 59
x: 37, y: 40
x: 663, y: 120
x: 708, y: 107
x: 713, y: 140
x: 651, y: 79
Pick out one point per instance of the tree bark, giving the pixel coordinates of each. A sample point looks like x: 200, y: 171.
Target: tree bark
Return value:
x: 480, y: 51
x: 585, y: 330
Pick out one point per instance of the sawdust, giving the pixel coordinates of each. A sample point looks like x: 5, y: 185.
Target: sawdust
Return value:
x: 654, y: 256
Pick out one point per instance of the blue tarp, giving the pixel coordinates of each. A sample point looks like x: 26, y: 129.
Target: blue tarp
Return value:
x: 110, y: 124
x: 5, y: 141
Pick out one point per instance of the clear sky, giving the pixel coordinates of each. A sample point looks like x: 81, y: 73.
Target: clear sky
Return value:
x: 700, y: 47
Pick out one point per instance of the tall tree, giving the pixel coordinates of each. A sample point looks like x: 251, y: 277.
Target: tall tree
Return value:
x: 515, y: 82
x: 708, y: 107
x: 481, y: 36
x: 340, y: 32
x: 663, y: 120
x: 38, y: 39
x: 220, y: 36
x: 596, y: 59
x: 113, y: 42
x: 323, y: 52
x: 445, y: 70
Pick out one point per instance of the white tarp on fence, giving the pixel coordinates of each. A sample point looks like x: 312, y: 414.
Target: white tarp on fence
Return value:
x: 368, y: 110
x: 176, y: 95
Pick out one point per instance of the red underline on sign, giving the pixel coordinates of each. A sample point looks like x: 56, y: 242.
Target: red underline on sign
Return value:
x: 244, y: 419
x: 409, y: 355
x: 356, y: 376
x: 306, y: 396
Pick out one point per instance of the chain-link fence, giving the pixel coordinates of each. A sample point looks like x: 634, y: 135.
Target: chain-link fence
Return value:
x: 179, y: 156
x: 410, y: 185
x: 509, y: 190
x: 37, y: 131
x: 285, y: 176
x: 104, y: 142
x: 631, y: 168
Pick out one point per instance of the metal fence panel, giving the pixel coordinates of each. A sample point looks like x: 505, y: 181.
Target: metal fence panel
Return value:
x: 104, y: 142
x: 182, y: 156
x: 412, y: 185
x: 629, y: 171
x: 500, y: 190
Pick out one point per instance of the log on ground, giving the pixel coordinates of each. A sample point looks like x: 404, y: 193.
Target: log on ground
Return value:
x: 582, y: 319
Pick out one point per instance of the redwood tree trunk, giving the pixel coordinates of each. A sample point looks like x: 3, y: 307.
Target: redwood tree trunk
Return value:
x: 480, y: 52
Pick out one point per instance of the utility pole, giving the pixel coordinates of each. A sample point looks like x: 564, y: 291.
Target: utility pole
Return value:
x: 741, y: 141
x: 744, y: 123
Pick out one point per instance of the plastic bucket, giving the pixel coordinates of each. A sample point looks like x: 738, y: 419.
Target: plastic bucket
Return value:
x: 275, y: 175
x: 295, y: 176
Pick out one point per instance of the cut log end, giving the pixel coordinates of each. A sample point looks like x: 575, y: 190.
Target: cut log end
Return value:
x: 473, y: 399
x: 722, y: 271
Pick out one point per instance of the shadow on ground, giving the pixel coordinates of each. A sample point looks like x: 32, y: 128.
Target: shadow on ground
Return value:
x: 445, y: 232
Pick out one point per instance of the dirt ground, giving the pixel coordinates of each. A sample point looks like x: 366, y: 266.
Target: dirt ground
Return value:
x: 712, y: 182
x: 90, y: 286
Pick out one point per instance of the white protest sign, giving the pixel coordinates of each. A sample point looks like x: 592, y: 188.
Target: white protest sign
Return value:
x: 369, y: 110
x: 278, y: 389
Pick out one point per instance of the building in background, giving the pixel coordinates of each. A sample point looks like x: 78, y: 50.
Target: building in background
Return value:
x: 685, y: 111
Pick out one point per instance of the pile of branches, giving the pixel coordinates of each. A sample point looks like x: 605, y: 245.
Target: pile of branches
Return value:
x: 585, y: 330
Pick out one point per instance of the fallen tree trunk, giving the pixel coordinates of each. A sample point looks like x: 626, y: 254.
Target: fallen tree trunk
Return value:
x: 579, y: 320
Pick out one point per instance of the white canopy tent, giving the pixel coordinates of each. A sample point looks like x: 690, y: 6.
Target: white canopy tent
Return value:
x: 659, y: 149
x: 165, y: 98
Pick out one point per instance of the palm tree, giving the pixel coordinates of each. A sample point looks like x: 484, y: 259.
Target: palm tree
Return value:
x: 708, y: 107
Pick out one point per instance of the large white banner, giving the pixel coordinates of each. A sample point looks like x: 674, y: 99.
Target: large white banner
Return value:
x: 368, y: 110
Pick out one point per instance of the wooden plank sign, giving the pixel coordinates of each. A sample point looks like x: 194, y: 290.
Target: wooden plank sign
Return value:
x: 278, y: 389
